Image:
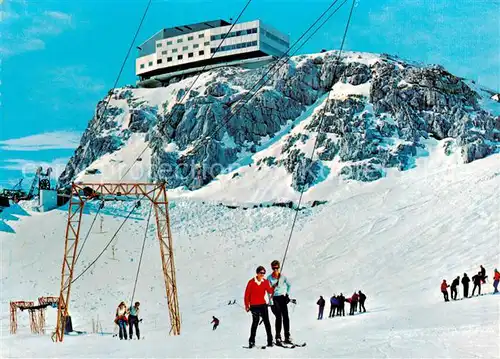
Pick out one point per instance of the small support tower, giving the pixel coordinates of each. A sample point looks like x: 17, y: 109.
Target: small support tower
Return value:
x: 21, y: 304
x: 80, y: 194
x: 43, y: 302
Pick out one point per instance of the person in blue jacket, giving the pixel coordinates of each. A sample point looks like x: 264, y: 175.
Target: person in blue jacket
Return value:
x: 334, y: 304
x: 279, y: 302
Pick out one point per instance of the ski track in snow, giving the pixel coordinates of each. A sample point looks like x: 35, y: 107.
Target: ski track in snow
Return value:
x: 395, y: 239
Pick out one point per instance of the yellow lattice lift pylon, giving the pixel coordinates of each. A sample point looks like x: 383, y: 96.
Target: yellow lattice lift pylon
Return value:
x: 80, y: 194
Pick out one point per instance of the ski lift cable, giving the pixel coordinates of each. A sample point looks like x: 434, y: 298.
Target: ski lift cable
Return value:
x: 320, y: 125
x: 262, y: 81
x: 137, y: 205
x: 192, y: 84
x: 244, y: 98
x: 217, y: 49
x: 101, y: 205
x: 140, y: 258
x: 126, y: 58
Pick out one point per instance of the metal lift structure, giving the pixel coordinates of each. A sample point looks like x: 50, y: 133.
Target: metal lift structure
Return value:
x: 82, y: 193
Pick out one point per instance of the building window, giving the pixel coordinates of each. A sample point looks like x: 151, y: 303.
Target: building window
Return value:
x: 201, y: 53
x: 174, y: 51
x: 159, y: 61
x: 201, y: 36
x: 179, y: 57
x: 195, y: 46
x: 190, y: 54
x: 150, y: 63
x: 236, y: 46
x: 142, y: 66
x: 179, y: 41
x: 158, y: 44
x: 207, y: 43
x: 169, y: 59
x: 234, y: 34
x: 190, y: 38
x: 184, y: 48
x: 164, y: 52
x: 274, y: 38
x: 169, y: 43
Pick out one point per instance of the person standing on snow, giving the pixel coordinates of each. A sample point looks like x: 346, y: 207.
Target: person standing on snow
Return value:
x: 496, y: 279
x: 121, y: 320
x: 133, y: 321
x: 321, y: 304
x: 483, y: 275
x: 354, y: 303
x: 341, y: 307
x: 255, y: 302
x: 362, y: 298
x: 454, y: 285
x: 444, y: 290
x: 333, y: 306
x: 465, y: 283
x: 477, y: 283
x: 279, y: 302
x: 215, y: 321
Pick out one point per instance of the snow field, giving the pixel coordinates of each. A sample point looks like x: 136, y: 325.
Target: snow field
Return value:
x: 395, y: 239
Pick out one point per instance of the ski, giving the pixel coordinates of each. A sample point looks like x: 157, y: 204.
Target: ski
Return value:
x: 255, y: 347
x: 291, y: 346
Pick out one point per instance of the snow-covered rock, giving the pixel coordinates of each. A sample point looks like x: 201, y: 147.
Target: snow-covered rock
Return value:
x: 374, y: 112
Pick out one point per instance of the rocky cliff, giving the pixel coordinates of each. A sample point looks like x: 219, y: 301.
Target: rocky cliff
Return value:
x: 375, y: 111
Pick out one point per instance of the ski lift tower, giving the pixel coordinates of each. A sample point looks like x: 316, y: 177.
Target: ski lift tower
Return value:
x: 81, y: 193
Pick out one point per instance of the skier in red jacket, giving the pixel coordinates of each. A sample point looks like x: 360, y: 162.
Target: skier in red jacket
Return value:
x: 215, y: 321
x: 255, y: 302
x: 354, y: 303
x: 444, y: 290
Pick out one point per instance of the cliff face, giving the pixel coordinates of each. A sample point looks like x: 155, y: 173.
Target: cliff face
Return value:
x: 377, y: 113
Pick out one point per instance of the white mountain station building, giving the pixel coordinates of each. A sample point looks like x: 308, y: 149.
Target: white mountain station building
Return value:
x: 189, y: 48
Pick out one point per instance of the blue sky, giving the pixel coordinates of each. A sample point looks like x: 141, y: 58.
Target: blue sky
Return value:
x: 60, y: 57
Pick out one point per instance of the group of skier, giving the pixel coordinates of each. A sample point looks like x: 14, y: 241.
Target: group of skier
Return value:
x: 477, y: 280
x: 277, y: 287
x: 337, y: 304
x: 127, y: 316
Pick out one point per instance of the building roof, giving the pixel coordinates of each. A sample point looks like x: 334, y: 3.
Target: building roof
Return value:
x: 186, y: 29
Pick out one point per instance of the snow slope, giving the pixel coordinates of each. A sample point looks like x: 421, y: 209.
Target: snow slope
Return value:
x: 395, y: 239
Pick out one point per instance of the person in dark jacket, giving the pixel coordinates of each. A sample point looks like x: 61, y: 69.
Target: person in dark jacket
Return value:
x: 341, y: 305
x: 444, y: 290
x: 362, y: 298
x: 133, y: 321
x: 454, y: 285
x: 483, y: 274
x: 333, y: 306
x: 465, y: 283
x: 321, y: 304
x: 215, y: 321
x: 477, y: 283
